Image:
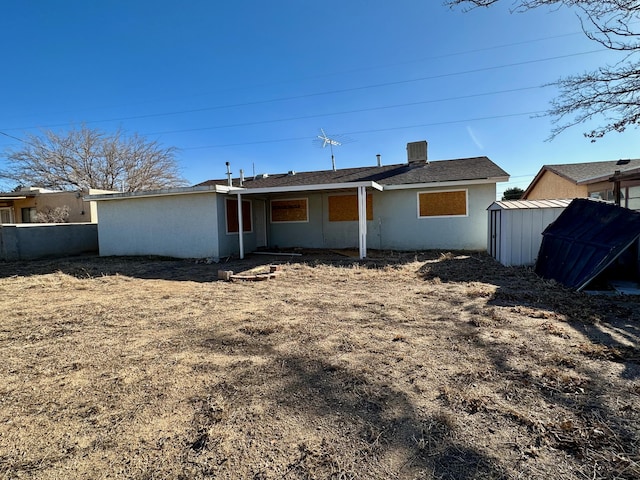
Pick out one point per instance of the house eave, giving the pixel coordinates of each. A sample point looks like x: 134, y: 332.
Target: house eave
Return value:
x: 452, y: 183
x: 166, y: 192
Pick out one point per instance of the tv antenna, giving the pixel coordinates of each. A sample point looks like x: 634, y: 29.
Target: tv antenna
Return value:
x: 331, y: 142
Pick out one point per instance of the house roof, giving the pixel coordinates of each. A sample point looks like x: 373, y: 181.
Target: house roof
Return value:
x: 584, y: 240
x: 459, y: 170
x: 585, y: 173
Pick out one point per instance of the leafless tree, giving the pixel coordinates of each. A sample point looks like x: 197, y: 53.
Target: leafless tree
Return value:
x: 612, y: 92
x: 54, y: 215
x: 90, y: 158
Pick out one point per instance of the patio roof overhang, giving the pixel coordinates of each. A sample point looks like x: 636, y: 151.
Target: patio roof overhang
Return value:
x: 306, y: 188
x: 361, y: 188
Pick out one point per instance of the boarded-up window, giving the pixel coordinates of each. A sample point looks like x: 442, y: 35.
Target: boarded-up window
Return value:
x: 290, y: 210
x: 344, y: 208
x: 232, y: 215
x: 442, y: 204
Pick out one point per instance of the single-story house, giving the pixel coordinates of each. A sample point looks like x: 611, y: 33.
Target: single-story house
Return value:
x: 416, y: 205
x: 516, y: 226
x: 33, y: 204
x: 585, y: 180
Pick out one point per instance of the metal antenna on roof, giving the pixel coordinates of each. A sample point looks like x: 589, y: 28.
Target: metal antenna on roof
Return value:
x: 331, y: 142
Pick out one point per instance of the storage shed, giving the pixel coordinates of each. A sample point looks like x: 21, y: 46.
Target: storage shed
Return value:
x: 516, y: 226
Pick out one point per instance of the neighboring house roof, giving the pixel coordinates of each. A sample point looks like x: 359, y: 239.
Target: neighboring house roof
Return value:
x: 528, y: 204
x: 584, y: 240
x: 585, y: 173
x: 459, y: 170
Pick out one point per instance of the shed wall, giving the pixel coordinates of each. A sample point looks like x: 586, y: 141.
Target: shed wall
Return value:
x: 520, y: 234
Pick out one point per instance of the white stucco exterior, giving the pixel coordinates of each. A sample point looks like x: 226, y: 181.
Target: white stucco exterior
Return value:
x: 181, y: 226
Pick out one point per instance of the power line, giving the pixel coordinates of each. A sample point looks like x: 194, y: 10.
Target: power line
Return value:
x: 11, y: 136
x: 346, y: 112
x: 317, y: 94
x: 376, y: 67
x: 360, y: 132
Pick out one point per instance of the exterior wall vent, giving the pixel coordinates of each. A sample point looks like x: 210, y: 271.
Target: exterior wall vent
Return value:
x: 417, y: 151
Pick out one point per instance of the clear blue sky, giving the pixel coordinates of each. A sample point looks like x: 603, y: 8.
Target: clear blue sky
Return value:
x: 253, y: 82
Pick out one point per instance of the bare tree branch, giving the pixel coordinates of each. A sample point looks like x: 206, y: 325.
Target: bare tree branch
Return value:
x: 88, y: 158
x: 611, y: 93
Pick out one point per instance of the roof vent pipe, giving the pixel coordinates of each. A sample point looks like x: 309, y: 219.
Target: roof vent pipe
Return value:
x: 229, y: 182
x: 241, y: 177
x: 379, y: 161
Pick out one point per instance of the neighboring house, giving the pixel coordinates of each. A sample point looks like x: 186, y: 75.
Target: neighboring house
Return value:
x: 24, y: 205
x: 416, y: 205
x: 626, y: 188
x: 586, y: 180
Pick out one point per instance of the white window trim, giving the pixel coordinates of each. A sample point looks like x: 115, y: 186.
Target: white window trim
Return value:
x: 271, y: 220
x: 226, y: 216
x: 466, y: 198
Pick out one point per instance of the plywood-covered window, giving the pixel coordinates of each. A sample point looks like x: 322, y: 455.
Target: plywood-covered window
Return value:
x: 442, y: 204
x: 290, y: 210
x: 231, y: 206
x: 344, y: 208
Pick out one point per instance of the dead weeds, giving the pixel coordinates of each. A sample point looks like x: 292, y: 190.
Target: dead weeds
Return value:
x: 412, y: 366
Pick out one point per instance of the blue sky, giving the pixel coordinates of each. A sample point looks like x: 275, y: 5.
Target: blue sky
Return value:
x: 253, y: 82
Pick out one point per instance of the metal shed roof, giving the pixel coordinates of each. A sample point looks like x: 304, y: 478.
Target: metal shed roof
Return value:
x: 584, y: 240
x: 528, y: 204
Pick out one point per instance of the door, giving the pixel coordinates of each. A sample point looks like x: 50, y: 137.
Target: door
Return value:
x: 494, y: 234
x: 260, y: 212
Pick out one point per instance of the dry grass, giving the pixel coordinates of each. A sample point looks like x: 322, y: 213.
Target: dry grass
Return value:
x: 410, y: 366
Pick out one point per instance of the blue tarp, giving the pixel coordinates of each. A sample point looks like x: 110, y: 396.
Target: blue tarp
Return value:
x: 584, y: 240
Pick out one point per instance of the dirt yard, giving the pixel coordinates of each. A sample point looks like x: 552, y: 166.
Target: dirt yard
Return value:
x: 415, y: 366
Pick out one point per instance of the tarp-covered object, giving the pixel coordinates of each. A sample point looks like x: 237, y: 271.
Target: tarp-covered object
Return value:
x: 584, y: 240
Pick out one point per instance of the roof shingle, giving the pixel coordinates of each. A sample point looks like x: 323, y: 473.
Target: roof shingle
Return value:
x: 464, y: 169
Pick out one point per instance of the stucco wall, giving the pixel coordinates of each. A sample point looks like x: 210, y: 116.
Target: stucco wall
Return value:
x: 181, y: 226
x: 29, y: 241
x: 401, y: 229
x: 395, y: 224
x: 551, y: 186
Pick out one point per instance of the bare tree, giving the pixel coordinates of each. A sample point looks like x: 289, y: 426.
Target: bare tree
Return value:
x: 611, y: 92
x: 53, y: 215
x: 89, y: 158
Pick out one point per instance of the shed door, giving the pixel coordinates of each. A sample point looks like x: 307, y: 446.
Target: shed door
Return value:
x: 494, y: 233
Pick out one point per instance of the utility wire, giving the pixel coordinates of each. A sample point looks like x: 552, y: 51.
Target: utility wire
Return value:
x: 330, y: 92
x: 359, y: 132
x: 345, y: 112
x: 356, y: 70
